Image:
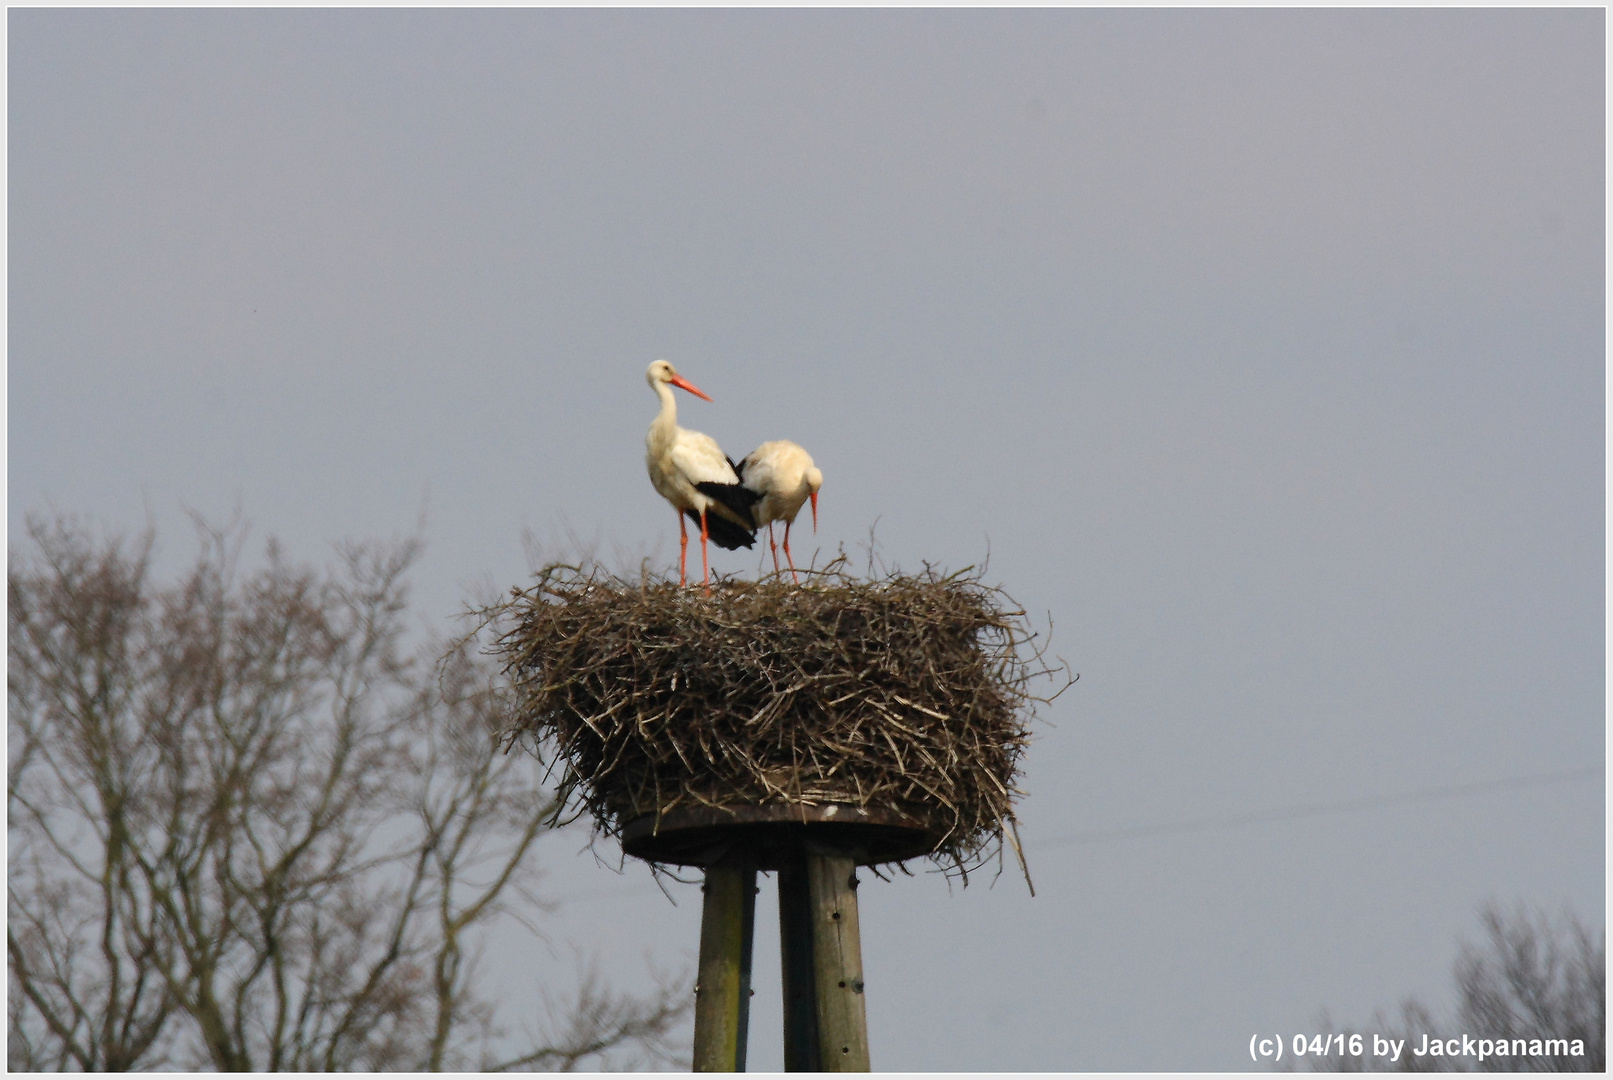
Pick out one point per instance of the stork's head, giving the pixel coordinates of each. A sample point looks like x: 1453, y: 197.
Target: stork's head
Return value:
x: 662, y: 372
x: 814, y: 480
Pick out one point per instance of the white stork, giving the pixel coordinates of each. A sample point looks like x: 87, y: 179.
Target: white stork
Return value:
x: 693, y: 474
x: 783, y: 477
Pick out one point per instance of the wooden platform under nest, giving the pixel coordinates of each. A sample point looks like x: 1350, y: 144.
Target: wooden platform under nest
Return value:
x: 905, y: 700
x: 769, y: 836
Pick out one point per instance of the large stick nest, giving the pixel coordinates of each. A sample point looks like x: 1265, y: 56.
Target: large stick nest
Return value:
x: 907, y: 693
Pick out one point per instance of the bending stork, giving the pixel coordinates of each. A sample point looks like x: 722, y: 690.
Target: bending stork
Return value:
x: 783, y: 477
x: 693, y: 474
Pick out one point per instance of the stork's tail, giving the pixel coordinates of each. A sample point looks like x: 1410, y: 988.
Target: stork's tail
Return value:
x: 736, y: 500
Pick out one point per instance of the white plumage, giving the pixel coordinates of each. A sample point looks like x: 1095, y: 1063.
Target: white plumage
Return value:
x: 783, y: 477
x: 692, y: 473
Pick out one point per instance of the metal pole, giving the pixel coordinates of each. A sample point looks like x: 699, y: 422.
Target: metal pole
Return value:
x: 747, y: 939
x: 837, y: 964
x: 795, y: 949
x: 721, y: 1006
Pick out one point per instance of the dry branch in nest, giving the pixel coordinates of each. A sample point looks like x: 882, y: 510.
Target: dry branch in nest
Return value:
x: 906, y: 693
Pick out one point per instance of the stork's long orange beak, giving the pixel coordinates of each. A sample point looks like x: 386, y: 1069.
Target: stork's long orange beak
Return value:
x: 684, y: 384
x: 814, y: 497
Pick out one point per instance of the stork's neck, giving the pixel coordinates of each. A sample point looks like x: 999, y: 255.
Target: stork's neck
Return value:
x: 665, y: 425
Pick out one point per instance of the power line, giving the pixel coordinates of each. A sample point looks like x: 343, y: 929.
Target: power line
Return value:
x: 1341, y: 806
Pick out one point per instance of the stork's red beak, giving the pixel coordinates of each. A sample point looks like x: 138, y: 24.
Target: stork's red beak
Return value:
x: 814, y: 497
x: 684, y: 384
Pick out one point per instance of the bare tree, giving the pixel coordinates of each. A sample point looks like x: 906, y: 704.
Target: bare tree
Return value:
x: 248, y: 830
x: 1537, y: 980
x: 1532, y: 998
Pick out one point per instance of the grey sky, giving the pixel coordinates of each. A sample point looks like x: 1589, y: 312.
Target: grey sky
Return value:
x: 1263, y: 348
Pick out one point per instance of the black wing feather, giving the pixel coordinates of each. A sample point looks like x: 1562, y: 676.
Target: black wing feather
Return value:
x: 724, y: 533
x: 737, y: 499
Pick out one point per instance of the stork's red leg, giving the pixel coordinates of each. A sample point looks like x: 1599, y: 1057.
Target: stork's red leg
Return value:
x: 683, y: 549
x: 705, y: 572
x: 772, y: 543
x: 787, y: 558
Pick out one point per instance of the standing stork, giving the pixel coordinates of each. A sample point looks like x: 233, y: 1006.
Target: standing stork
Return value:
x: 783, y: 477
x: 693, y: 474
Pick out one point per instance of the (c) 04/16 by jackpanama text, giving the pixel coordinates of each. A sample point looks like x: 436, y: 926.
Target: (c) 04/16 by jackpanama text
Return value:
x: 1353, y: 1045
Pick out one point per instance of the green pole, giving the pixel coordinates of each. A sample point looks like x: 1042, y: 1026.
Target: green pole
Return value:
x: 721, y: 1005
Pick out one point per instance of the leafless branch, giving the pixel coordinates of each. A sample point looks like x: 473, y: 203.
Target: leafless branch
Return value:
x: 248, y: 828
